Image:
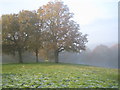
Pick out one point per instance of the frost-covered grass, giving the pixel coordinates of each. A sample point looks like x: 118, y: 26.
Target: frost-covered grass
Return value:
x: 50, y: 75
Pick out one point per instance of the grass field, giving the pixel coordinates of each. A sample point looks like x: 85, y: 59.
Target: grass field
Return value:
x: 50, y: 75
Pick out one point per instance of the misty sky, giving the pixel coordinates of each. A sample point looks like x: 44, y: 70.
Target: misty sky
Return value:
x: 97, y: 18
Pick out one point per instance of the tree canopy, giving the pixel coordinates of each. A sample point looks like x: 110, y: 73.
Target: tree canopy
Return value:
x: 50, y: 28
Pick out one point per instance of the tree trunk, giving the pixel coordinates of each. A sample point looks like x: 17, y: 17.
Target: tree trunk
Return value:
x: 20, y: 56
x: 36, y: 55
x: 56, y: 53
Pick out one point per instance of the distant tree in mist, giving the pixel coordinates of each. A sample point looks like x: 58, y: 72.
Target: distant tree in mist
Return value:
x: 100, y: 48
x: 104, y: 56
x: 101, y: 55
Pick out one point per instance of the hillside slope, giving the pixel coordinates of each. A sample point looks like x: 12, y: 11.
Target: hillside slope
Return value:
x: 50, y: 75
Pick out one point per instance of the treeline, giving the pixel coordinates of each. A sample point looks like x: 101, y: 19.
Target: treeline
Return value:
x: 50, y: 29
x: 101, y: 55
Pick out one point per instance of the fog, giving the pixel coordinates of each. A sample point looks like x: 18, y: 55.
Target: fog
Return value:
x: 101, y: 55
x: 27, y: 58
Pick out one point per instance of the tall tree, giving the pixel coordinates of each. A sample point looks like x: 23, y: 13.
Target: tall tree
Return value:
x: 16, y: 31
x: 36, y: 37
x: 0, y: 36
x: 63, y: 32
x: 10, y: 26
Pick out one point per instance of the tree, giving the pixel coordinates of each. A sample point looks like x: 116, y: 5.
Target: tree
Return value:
x: 9, y: 28
x: 16, y: 31
x: 35, y: 37
x: 50, y: 28
x: 63, y: 32
x: 0, y: 35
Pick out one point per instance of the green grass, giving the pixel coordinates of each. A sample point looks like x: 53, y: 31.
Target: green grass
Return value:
x: 50, y: 75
